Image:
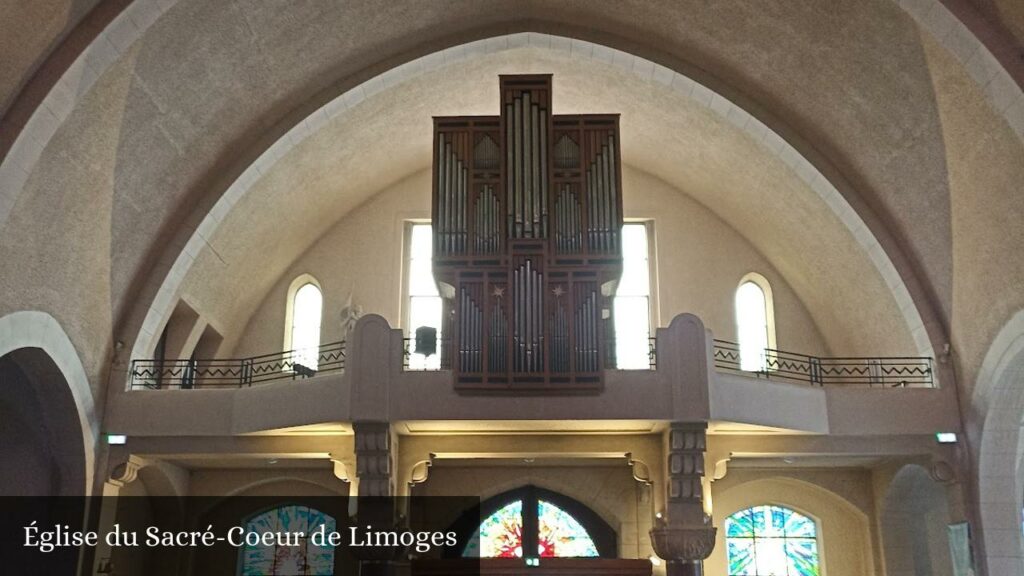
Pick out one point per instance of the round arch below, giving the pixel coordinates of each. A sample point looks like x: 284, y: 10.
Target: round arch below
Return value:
x: 38, y: 330
x: 999, y: 400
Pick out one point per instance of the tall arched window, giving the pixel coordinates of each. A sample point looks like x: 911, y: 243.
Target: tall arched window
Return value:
x: 534, y: 519
x: 755, y: 323
x: 424, y: 305
x: 305, y: 309
x: 306, y: 558
x: 632, y: 304
x: 771, y: 541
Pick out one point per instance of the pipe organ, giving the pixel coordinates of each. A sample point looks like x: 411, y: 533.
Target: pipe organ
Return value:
x: 527, y: 225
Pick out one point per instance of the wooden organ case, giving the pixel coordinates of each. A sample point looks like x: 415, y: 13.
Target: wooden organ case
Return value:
x: 527, y: 231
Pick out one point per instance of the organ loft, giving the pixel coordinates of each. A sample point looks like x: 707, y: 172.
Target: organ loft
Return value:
x: 527, y: 226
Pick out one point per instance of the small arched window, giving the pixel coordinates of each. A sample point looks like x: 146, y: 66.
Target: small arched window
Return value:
x: 755, y: 324
x: 306, y: 558
x: 771, y: 541
x: 305, y: 309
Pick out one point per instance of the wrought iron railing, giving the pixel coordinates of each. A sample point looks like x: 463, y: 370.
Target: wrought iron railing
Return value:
x: 439, y: 360
x: 892, y: 372
x: 235, y: 373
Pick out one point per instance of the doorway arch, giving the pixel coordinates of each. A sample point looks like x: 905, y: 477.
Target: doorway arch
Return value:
x: 50, y: 407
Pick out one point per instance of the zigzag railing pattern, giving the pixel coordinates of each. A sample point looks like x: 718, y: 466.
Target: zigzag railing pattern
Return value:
x: 234, y: 373
x: 892, y: 372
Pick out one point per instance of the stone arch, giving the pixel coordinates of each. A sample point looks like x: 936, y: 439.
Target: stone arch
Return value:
x: 919, y: 318
x: 605, y: 536
x: 133, y: 23
x: 999, y: 400
x: 51, y: 377
x: 913, y: 525
x: 843, y: 529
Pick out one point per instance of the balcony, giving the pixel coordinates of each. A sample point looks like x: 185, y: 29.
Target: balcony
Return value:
x: 691, y: 377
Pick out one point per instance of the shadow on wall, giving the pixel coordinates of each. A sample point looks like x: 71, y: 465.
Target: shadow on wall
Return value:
x: 915, y: 524
x: 40, y: 429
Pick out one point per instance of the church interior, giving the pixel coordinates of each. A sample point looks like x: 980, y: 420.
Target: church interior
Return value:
x: 692, y: 288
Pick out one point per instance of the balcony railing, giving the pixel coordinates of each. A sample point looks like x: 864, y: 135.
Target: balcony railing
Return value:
x: 893, y: 372
x: 439, y: 360
x: 235, y: 373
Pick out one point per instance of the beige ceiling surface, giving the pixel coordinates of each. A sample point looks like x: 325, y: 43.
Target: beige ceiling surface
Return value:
x: 388, y: 137
x: 29, y: 31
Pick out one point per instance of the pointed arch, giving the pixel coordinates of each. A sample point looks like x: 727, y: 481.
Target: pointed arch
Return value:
x: 527, y: 518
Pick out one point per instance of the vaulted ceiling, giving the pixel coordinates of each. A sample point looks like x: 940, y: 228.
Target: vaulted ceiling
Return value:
x: 202, y: 89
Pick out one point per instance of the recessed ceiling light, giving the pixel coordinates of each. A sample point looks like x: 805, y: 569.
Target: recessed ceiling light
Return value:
x: 272, y: 461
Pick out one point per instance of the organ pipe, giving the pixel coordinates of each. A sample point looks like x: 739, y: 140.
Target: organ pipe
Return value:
x: 527, y: 232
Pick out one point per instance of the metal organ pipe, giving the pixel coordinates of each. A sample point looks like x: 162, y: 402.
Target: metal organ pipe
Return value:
x: 613, y: 192
x: 513, y: 208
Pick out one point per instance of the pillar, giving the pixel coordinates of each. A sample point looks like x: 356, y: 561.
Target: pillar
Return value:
x: 375, y: 490
x: 684, y: 536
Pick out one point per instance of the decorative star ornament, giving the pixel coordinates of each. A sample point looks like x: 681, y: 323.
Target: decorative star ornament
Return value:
x: 558, y: 291
x: 498, y: 292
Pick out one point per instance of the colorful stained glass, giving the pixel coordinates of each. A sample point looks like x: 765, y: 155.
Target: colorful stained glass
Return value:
x: 500, y: 535
x: 771, y: 541
x: 561, y: 535
x: 304, y: 559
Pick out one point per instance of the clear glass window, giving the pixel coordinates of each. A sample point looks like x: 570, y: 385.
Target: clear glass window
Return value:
x: 307, y: 309
x: 752, y: 327
x: 424, y: 302
x: 632, y: 305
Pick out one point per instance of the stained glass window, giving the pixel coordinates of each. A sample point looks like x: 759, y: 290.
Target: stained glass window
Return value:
x: 304, y: 559
x: 500, y: 535
x: 560, y: 535
x: 771, y: 541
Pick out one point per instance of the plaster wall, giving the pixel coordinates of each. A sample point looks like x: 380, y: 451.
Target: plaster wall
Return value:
x: 699, y: 261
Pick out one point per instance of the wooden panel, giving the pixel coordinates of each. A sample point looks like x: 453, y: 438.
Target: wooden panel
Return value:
x: 527, y: 212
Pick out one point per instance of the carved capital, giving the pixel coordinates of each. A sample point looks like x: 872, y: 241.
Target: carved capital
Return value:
x: 641, y: 471
x: 344, y: 467
x: 373, y: 458
x: 683, y: 543
x: 125, y: 471
x: 420, y: 471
